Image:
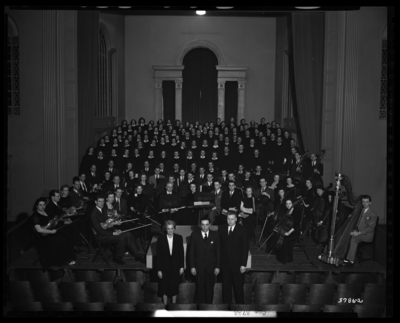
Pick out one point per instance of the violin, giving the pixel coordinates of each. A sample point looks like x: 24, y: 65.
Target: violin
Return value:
x: 53, y: 222
x: 284, y: 225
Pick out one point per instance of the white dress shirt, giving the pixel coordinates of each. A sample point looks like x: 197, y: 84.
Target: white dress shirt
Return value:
x: 170, y: 242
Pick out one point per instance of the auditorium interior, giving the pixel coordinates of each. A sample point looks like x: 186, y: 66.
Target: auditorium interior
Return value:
x: 320, y: 77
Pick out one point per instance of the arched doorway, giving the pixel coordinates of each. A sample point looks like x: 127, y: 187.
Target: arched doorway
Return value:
x: 200, y: 86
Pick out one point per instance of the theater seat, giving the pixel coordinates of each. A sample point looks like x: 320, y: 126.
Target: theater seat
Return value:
x: 321, y: 294
x: 86, y: 276
x: 309, y: 278
x: 248, y: 294
x: 73, y: 292
x: 89, y: 307
x: 368, y: 311
x: 186, y: 293
x: 58, y: 306
x: 37, y: 276
x: 128, y: 292
x: 267, y: 293
x: 101, y: 292
x: 244, y: 307
x: 213, y: 307
x: 27, y: 307
x: 374, y: 294
x: 346, y: 291
x: 358, y: 278
x: 150, y: 307
x: 284, y: 278
x: 20, y: 292
x: 46, y: 292
x: 150, y: 293
x: 181, y: 307
x: 120, y: 307
x: 337, y: 308
x: 108, y: 275
x: 306, y: 308
x: 275, y: 307
x: 218, y: 294
x: 294, y: 294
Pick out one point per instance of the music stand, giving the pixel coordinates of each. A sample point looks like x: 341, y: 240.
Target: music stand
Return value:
x: 203, y: 201
x: 300, y: 243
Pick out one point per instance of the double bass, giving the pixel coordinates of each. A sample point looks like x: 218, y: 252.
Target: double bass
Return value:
x: 298, y: 173
x: 336, y: 250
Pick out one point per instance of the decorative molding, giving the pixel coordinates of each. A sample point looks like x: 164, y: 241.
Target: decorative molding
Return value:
x: 202, y: 44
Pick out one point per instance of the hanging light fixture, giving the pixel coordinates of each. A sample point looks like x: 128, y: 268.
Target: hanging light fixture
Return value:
x: 200, y: 12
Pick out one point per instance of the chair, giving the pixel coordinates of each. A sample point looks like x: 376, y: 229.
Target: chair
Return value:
x: 101, y: 292
x: 294, y: 294
x: 181, y: 307
x: 213, y: 307
x: 128, y: 292
x: 284, y: 278
x: 217, y: 299
x: 267, y: 293
x: 100, y: 248
x: 346, y: 291
x: 260, y: 277
x: 244, y: 307
x: 37, y: 242
x: 362, y: 244
x: 108, y: 275
x: 73, y: 292
x: 37, y: 276
x: 321, y: 294
x: 89, y: 307
x: 309, y: 278
x: 337, y: 308
x: 27, y: 307
x: 150, y: 293
x: 150, y: 307
x: 358, y: 278
x: 86, y: 276
x: 275, y: 307
x: 46, y: 292
x: 20, y: 292
x: 374, y: 294
x: 306, y: 308
x: 58, y: 306
x: 186, y: 293
x: 120, y: 307
x: 368, y: 311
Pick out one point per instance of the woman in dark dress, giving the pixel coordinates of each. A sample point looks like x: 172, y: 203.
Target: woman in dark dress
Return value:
x: 170, y: 262
x: 87, y: 160
x: 291, y: 189
x: 56, y: 248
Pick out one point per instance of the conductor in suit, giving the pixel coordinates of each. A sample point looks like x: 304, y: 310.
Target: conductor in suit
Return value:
x: 170, y: 262
x: 234, y: 253
x: 205, y: 260
x: 364, y: 231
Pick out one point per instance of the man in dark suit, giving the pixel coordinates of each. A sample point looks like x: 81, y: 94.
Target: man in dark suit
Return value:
x: 76, y: 194
x: 154, y: 179
x: 122, y: 241
x: 365, y: 230
x: 205, y: 260
x: 115, y: 184
x: 234, y: 253
x: 52, y: 208
x: 230, y: 200
x: 113, y: 171
x: 216, y: 210
x: 208, y: 186
x: 92, y: 179
x: 168, y: 203
x: 121, y: 204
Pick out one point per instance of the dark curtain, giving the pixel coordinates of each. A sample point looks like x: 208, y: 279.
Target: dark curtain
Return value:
x: 88, y: 49
x: 169, y: 100
x: 200, y: 87
x: 308, y: 30
x: 231, y: 100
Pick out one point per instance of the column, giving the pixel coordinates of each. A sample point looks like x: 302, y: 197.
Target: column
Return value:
x: 158, y: 100
x: 241, y: 100
x: 50, y: 135
x: 221, y: 100
x: 178, y: 101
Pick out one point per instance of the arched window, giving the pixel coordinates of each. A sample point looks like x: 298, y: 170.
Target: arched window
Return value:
x: 384, y: 73
x: 105, y: 77
x: 13, y: 78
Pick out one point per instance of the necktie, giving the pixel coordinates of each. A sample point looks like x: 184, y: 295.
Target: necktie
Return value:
x: 230, y: 231
x: 205, y: 237
x: 231, y: 193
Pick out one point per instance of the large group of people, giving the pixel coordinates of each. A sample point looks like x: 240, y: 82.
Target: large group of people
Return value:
x: 254, y: 174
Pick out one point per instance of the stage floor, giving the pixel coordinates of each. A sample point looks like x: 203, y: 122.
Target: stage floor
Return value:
x: 259, y: 262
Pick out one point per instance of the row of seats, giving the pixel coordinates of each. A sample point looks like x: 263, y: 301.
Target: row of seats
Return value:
x: 363, y: 311
x: 133, y: 292
x: 35, y: 275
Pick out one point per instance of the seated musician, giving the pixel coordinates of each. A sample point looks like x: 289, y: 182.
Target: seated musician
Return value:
x: 299, y: 167
x: 113, y: 171
x: 240, y: 173
x: 148, y: 189
x: 123, y: 240
x: 57, y: 248
x: 106, y: 181
x: 169, y: 202
x: 76, y: 194
x: 230, y: 200
x: 258, y: 173
x: 232, y: 178
x: 84, y: 189
x: 192, y: 214
x: 93, y: 180
x: 121, y: 204
x: 291, y: 188
x: 284, y: 253
x: 224, y: 178
x: 264, y: 199
x: 247, y: 213
x: 318, y: 205
x: 154, y: 179
x: 364, y: 231
x: 212, y: 170
x: 130, y: 182
x: 248, y: 181
x: 65, y: 200
x: 216, y: 210
x: 208, y: 186
x: 200, y: 177
x: 308, y: 196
